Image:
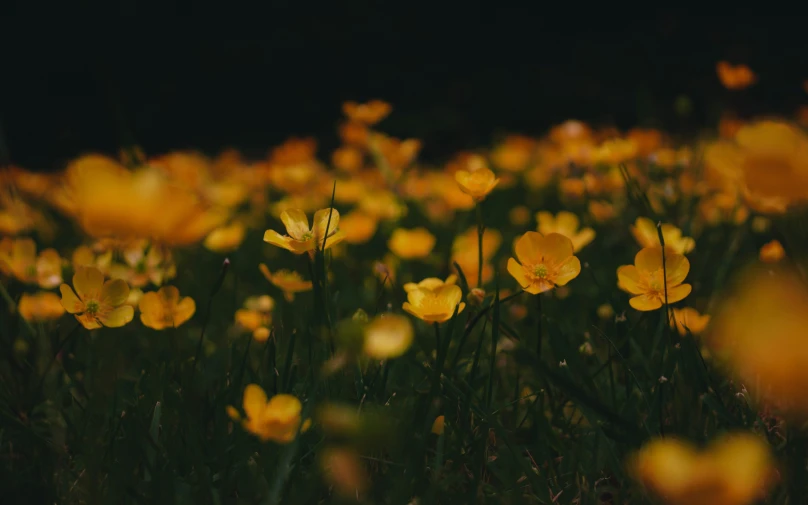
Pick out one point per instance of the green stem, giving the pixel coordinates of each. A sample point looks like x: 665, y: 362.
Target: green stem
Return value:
x: 538, y: 325
x: 480, y: 233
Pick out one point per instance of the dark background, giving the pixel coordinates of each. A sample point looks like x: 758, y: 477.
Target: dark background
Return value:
x: 456, y: 79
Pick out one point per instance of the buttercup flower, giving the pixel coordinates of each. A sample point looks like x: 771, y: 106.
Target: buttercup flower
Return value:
x: 411, y: 244
x: 544, y: 262
x: 688, y: 319
x: 434, y: 306
x: 96, y: 303
x: 645, y: 232
x: 477, y: 183
x: 42, y: 306
x: 431, y: 283
x: 772, y: 252
x: 387, y: 336
x: 359, y: 227
x: 165, y: 309
x: 731, y: 471
x: 646, y: 281
x: 368, y: 113
x: 256, y: 316
x: 18, y: 257
x: 301, y: 238
x: 225, y: 238
x: 277, y: 419
x: 735, y: 77
x: 567, y: 224
x: 287, y: 281
x: 144, y: 264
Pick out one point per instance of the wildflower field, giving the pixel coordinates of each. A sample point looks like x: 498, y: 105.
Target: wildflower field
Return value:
x: 590, y: 317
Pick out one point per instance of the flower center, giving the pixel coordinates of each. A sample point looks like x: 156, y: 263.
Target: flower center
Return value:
x: 93, y: 307
x: 307, y: 236
x: 540, y: 271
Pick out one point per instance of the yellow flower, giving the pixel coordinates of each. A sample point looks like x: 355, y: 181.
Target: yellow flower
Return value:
x: 735, y: 77
x: 83, y: 256
x: 514, y: 153
x: 287, y: 281
x: 645, y: 279
x: 772, y: 252
x: 438, y: 425
x: 225, y: 238
x: 431, y: 283
x: 411, y: 244
x: 382, y: 205
x: 301, y: 238
x: 688, y: 319
x: 733, y: 470
x: 567, y: 224
x: 544, y: 262
x: 601, y: 211
x: 359, y: 227
x: 142, y: 267
x: 646, y: 235
x: 434, y: 306
x: 256, y: 316
x: 96, y: 303
x: 165, y: 309
x: 18, y: 257
x: 477, y: 183
x: 42, y: 306
x: 387, y: 336
x: 277, y: 419
x: 368, y: 113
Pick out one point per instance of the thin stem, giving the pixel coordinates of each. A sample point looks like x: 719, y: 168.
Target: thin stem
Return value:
x: 539, y: 316
x: 12, y: 307
x: 480, y: 233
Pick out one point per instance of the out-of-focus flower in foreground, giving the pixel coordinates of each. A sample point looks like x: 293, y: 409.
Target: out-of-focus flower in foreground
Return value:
x: 165, y: 309
x: 544, y: 262
x: 301, y: 238
x: 42, y: 306
x: 434, y: 306
x: 733, y: 470
x: 688, y: 319
x: 759, y: 331
x: 387, y: 336
x: 225, y: 239
x: 647, y: 282
x: 96, y: 303
x: 567, y: 224
x: 735, y: 77
x: 276, y: 419
x: 646, y: 234
x: 772, y: 252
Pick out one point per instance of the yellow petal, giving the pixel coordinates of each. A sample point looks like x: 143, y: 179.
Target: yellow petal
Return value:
x: 115, y: 292
x: 546, y: 222
x: 567, y: 270
x: 70, y: 301
x: 567, y: 223
x: 518, y: 272
x: 321, y: 223
x: 276, y: 239
x: 556, y: 248
x: 184, y: 310
x: 170, y: 295
x: 676, y: 268
x: 528, y: 248
x: 296, y: 223
x: 119, y: 316
x: 628, y: 279
x: 87, y: 282
x: 645, y: 302
x: 88, y: 321
x: 649, y: 259
x: 678, y: 293
x: 583, y: 238
x: 255, y: 401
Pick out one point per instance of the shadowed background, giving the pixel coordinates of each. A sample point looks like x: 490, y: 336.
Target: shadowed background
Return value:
x: 456, y: 80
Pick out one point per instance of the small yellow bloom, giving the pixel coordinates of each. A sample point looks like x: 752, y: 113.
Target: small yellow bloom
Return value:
x: 287, y: 281
x: 142, y: 267
x: 735, y: 77
x: 544, y: 262
x: 435, y: 306
x: 646, y: 281
x: 411, y: 244
x: 772, y: 252
x: 688, y: 319
x: 477, y: 184
x: 277, y: 419
x: 645, y: 232
x: 18, y: 257
x: 96, y: 303
x: 368, y: 113
x: 84, y: 256
x: 733, y: 470
x: 359, y: 227
x: 42, y: 306
x: 514, y: 154
x: 225, y: 238
x: 567, y: 224
x: 165, y: 309
x: 256, y: 316
x: 431, y: 283
x: 301, y: 238
x: 438, y: 425
x: 387, y: 336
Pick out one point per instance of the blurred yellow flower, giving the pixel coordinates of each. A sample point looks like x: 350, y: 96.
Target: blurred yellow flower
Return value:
x: 301, y: 238
x: 544, y: 262
x: 601, y: 211
x: 567, y: 224
x: 144, y: 263
x: 368, y: 113
x: 772, y: 252
x: 225, y: 239
x: 733, y: 470
x: 411, y: 244
x: 434, y: 306
x: 276, y: 419
x: 18, y: 257
x: 84, y: 256
x: 387, y: 336
x: 477, y: 184
x: 42, y: 306
x: 645, y: 280
x: 348, y: 159
x: 382, y: 205
x: 735, y: 77
x: 646, y: 235
x: 438, y: 425
x: 287, y: 281
x: 359, y: 227
x: 514, y: 153
x: 344, y: 471
x: 165, y: 309
x: 256, y: 316
x: 96, y: 303
x: 688, y: 319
